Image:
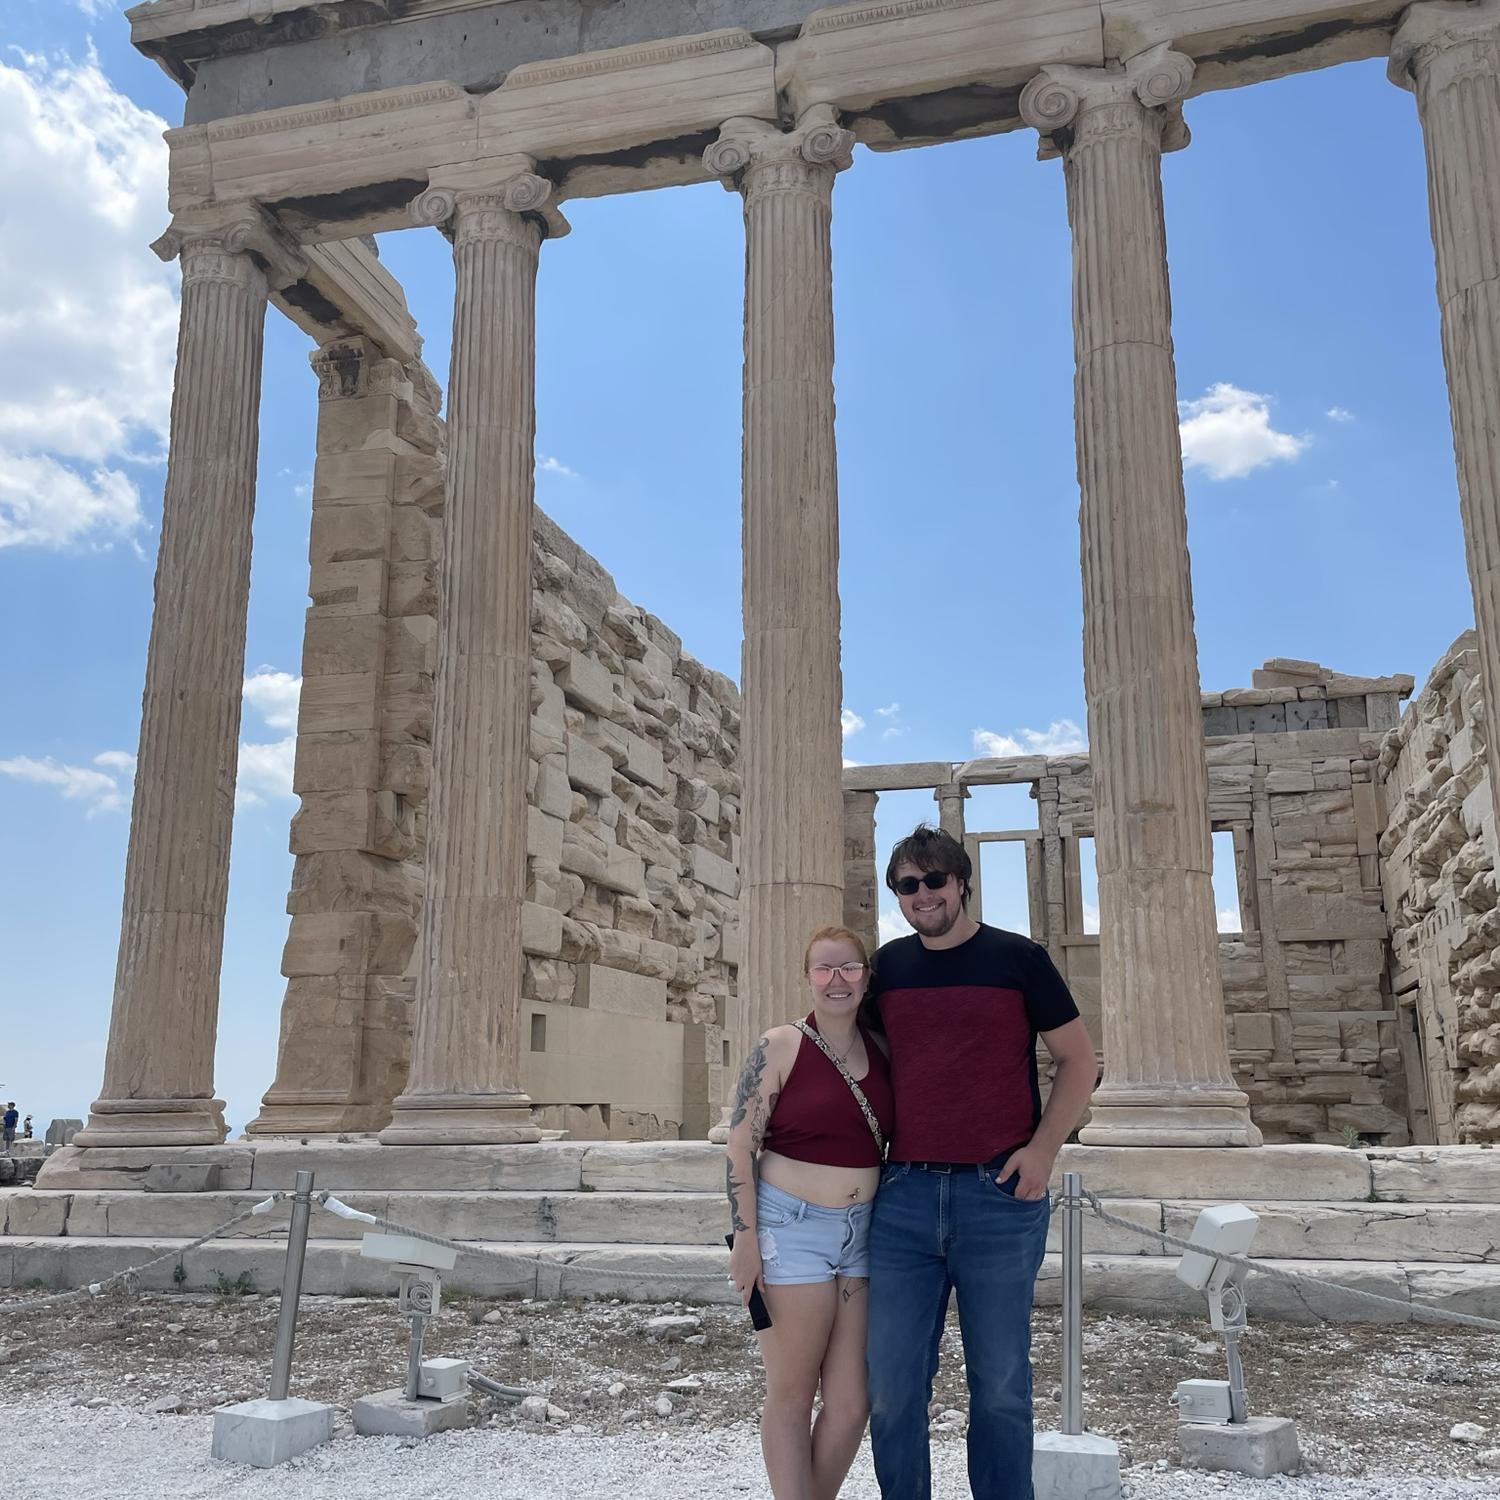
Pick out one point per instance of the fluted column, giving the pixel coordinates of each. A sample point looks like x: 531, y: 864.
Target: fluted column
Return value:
x: 1448, y: 55
x: 464, y: 1084
x: 1167, y: 1077
x: 159, y: 1061
x: 791, y: 848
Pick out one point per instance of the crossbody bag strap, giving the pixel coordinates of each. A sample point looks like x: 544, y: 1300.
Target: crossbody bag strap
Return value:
x: 854, y: 1088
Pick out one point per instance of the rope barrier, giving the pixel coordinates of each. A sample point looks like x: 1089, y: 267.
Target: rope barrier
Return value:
x: 1419, y: 1310
x: 131, y: 1275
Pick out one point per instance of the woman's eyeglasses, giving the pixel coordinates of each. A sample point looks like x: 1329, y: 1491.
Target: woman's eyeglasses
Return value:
x: 824, y: 972
x: 934, y: 880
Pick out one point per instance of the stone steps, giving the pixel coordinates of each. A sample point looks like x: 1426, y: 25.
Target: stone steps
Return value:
x: 1267, y: 1174
x: 1441, y: 1232
x: 1112, y: 1283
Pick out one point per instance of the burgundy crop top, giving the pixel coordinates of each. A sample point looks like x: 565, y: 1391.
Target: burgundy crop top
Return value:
x: 818, y: 1119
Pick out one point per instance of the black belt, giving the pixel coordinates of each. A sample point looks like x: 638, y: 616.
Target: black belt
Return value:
x: 992, y: 1165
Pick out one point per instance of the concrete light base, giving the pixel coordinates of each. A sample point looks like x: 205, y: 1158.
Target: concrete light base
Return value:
x: 265, y: 1433
x: 390, y: 1414
x: 1075, y: 1466
x: 1259, y: 1447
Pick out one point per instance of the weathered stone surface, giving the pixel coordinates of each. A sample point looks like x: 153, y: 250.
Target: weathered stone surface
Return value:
x: 1268, y: 1173
x: 1428, y: 1174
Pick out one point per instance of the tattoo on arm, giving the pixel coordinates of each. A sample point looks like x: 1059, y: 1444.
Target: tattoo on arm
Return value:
x: 749, y: 1085
x: 732, y: 1187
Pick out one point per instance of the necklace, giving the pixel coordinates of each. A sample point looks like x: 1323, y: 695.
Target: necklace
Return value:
x: 844, y: 1055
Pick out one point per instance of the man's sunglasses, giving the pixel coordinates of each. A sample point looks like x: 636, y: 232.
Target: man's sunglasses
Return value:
x: 934, y: 880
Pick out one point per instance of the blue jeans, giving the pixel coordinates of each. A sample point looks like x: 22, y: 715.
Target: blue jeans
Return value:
x: 934, y: 1233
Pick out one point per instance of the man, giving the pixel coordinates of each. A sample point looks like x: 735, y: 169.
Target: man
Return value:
x: 8, y: 1126
x: 963, y: 1205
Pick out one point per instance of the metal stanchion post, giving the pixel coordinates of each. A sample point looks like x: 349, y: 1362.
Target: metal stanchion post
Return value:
x: 1072, y: 1304
x: 414, y: 1357
x: 291, y: 1287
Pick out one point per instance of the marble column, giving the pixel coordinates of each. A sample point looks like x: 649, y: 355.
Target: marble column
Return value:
x: 861, y: 879
x: 950, y: 801
x: 464, y: 1084
x: 791, y: 849
x: 159, y: 1060
x: 1448, y: 55
x: 1167, y: 1078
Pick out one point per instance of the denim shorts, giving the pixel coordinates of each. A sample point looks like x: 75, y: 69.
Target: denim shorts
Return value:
x: 802, y: 1242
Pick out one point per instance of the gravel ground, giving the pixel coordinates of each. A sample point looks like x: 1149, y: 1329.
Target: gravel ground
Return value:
x: 166, y: 1458
x: 1374, y: 1405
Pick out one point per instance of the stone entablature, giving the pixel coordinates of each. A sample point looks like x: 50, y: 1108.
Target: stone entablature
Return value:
x: 634, y: 104
x: 1439, y: 864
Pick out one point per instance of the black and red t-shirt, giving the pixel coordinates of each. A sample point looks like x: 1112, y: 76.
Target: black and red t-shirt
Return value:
x: 962, y: 1024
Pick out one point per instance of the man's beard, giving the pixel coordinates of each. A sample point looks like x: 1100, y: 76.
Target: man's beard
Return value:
x: 948, y: 917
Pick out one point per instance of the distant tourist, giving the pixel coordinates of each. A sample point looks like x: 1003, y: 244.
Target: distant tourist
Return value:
x: 962, y: 1205
x: 8, y: 1127
x: 806, y: 1137
x: 26, y: 1128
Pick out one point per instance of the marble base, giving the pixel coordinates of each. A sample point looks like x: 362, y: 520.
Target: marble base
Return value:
x: 1075, y: 1466
x: 390, y: 1414
x: 1186, y: 1124
x: 153, y: 1122
x: 1259, y: 1447
x: 461, y: 1120
x: 265, y: 1433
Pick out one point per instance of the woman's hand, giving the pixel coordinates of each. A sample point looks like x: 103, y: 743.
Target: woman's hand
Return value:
x: 745, y: 1266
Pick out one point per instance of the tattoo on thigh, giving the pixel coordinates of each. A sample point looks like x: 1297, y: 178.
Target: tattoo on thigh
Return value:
x: 851, y: 1286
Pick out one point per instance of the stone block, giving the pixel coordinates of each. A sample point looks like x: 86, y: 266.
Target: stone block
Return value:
x: 544, y: 836
x: 1219, y: 721
x: 1258, y: 1446
x: 585, y: 682
x: 1219, y: 1175
x: 182, y: 1177
x: 554, y: 795
x: 624, y: 871
x: 24, y: 1211
x: 1253, y: 1032
x: 341, y: 644
x: 716, y: 873
x: 552, y: 1166
x: 265, y: 1433
x: 659, y: 1166
x: 333, y: 820
x: 1082, y: 1466
x: 1266, y: 718
x: 626, y: 994
x: 390, y: 1414
x: 339, y: 701
x: 1307, y: 714
x: 541, y: 930
x: 589, y: 768
x: 1436, y: 1174
x: 349, y: 588
x: 347, y: 533
x: 644, y: 762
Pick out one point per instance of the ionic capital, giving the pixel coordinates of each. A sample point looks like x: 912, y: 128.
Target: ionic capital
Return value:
x: 1459, y: 36
x: 355, y: 366
x: 819, y: 146
x: 237, y: 242
x: 503, y: 199
x: 1064, y: 103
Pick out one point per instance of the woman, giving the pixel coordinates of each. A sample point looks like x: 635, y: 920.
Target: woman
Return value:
x: 804, y: 1163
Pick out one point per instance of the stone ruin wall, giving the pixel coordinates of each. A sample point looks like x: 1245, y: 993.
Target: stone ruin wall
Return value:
x: 1439, y: 866
x: 630, y: 925
x: 1293, y: 774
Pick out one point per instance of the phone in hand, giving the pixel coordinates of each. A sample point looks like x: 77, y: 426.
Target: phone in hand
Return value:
x: 760, y: 1314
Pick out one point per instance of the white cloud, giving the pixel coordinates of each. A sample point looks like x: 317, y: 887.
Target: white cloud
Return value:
x: 106, y: 790
x: 850, y: 722
x: 1090, y: 918
x: 265, y: 771
x: 274, y: 696
x: 1229, y: 919
x: 95, y: 7
x: 1339, y: 414
x: 889, y: 711
x: 893, y: 924
x: 549, y: 465
x: 45, y: 503
x: 1060, y: 737
x: 88, y: 315
x: 1228, y: 433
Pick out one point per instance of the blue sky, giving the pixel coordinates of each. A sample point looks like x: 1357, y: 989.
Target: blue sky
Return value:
x: 1322, y: 502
